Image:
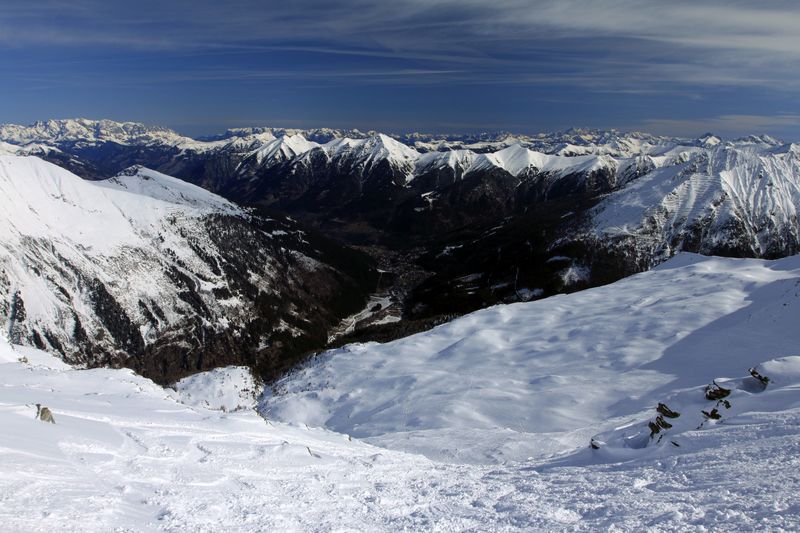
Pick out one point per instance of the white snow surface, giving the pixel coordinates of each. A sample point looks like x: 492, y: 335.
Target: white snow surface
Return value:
x: 457, y: 159
x: 231, y: 388
x: 283, y: 149
x: 538, y: 379
x: 127, y: 455
x: 157, y: 186
x: 8, y: 149
x: 41, y: 200
x: 517, y: 159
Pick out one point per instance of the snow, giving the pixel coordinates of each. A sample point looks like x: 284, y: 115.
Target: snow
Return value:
x: 88, y: 131
x: 540, y: 378
x: 39, y: 199
x: 371, y: 148
x: 458, y: 160
x: 230, y: 388
x: 368, y: 152
x: 8, y: 149
x: 718, y: 189
x: 155, y: 185
x: 283, y: 149
x: 60, y: 233
x: 517, y: 159
x: 127, y: 455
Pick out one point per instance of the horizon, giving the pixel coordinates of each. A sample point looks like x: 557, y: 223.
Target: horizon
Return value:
x: 399, y: 133
x: 438, y: 65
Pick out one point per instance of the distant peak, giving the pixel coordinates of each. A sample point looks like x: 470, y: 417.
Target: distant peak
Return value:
x: 75, y: 130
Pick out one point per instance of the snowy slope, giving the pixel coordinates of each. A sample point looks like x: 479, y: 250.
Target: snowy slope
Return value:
x: 517, y: 160
x: 743, y: 199
x: 230, y: 388
x: 149, y: 271
x: 541, y: 378
x: 147, y: 183
x: 126, y: 455
x: 60, y: 233
x: 456, y: 159
x: 283, y: 149
x: 365, y: 154
x: 41, y: 200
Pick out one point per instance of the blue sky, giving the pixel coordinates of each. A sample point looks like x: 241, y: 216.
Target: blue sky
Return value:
x: 678, y: 67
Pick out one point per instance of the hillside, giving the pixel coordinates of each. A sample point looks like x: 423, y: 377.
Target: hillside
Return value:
x: 147, y: 271
x: 539, y: 379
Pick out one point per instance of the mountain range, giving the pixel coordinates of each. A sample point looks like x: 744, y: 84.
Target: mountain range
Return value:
x: 459, y: 222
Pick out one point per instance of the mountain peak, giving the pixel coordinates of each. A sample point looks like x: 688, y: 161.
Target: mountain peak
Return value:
x: 143, y: 181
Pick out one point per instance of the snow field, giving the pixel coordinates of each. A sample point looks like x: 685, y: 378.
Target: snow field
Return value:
x: 125, y: 455
x: 538, y: 379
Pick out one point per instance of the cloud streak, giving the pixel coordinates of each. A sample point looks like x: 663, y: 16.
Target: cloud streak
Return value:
x: 603, y: 61
x: 709, y: 43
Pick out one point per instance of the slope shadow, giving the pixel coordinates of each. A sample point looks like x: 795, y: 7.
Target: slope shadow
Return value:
x: 728, y: 346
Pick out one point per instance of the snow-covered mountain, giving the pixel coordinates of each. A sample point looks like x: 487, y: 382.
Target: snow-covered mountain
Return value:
x: 569, y: 142
x: 733, y: 199
x: 264, y: 159
x: 85, y: 131
x: 335, y: 174
x: 612, y: 203
x: 148, y: 271
x: 540, y: 379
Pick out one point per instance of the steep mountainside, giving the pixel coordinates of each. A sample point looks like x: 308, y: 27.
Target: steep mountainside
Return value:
x: 731, y: 200
x: 147, y: 271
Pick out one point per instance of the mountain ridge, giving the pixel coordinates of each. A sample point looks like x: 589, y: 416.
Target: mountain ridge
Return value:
x: 147, y: 271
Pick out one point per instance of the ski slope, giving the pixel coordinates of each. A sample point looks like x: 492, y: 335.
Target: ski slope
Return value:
x: 126, y: 455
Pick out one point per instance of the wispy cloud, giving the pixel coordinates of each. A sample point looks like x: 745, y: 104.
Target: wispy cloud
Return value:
x: 543, y: 63
x: 722, y: 43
